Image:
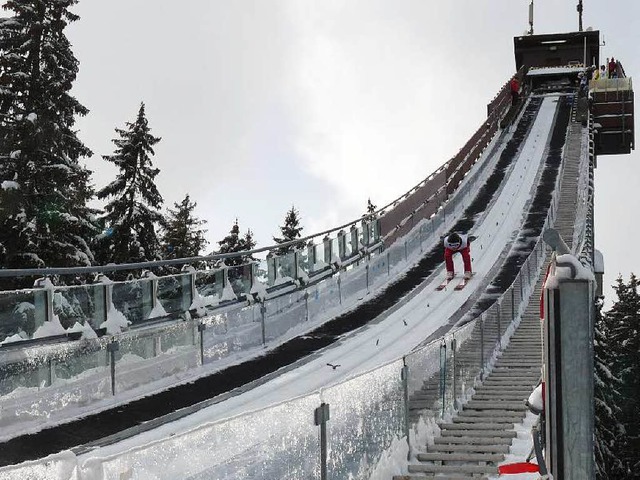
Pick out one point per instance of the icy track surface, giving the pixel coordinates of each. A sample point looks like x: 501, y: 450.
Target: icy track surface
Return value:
x: 379, y: 343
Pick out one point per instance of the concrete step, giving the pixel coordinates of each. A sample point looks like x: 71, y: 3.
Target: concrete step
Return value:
x: 502, y: 374
x: 460, y: 457
x: 485, y: 405
x: 451, y: 447
x: 525, y: 369
x: 500, y: 382
x: 473, y: 440
x: 507, y: 420
x: 500, y: 397
x: 524, y: 389
x: 491, y: 413
x: 478, y: 433
x: 473, y: 469
x: 475, y: 426
x: 521, y: 354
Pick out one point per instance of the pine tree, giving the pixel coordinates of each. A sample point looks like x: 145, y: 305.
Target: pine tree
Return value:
x: 608, y: 428
x: 371, y: 208
x: 248, y: 243
x: 290, y: 231
x: 623, y: 322
x: 231, y: 244
x: 182, y: 236
x: 44, y: 217
x: 132, y: 213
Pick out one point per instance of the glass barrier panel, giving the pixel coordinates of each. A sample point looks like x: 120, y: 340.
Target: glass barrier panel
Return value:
x: 467, y: 355
x: 240, y: 279
x: 378, y: 270
x: 304, y: 261
x: 374, y: 231
x: 398, y: 254
x: 74, y: 304
x: 334, y: 251
x: 506, y: 312
x: 19, y: 317
x: 87, y: 362
x: 414, y: 242
x: 134, y: 348
x: 324, y: 299
x: 355, y: 239
x: 231, y: 332
x: 283, y: 319
x: 209, y: 285
x: 179, y: 336
x: 450, y: 376
x: 260, y: 271
x: 57, y: 466
x: 279, y: 442
x: 491, y: 336
x: 347, y: 245
x: 172, y: 294
x: 32, y: 373
x: 353, y: 285
x: 366, y: 414
x: 98, y: 293
x: 424, y: 380
x: 133, y: 299
x: 285, y: 268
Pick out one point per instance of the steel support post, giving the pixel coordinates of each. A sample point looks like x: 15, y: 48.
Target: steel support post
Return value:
x: 405, y: 388
x: 569, y: 396
x: 321, y: 417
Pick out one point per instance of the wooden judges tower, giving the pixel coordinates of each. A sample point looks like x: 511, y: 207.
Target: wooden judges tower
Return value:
x: 564, y: 56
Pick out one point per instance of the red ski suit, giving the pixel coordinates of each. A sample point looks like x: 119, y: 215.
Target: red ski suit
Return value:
x: 463, y: 249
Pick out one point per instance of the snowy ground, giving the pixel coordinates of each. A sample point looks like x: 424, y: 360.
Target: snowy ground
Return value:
x: 395, y: 335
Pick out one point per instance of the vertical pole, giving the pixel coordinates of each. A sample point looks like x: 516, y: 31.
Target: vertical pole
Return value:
x: 50, y: 379
x: 366, y: 271
x: 569, y: 371
x: 405, y: 388
x: 580, y: 26
x: 201, y: 329
x: 443, y: 373
x: 482, y: 347
x: 306, y: 305
x: 321, y: 417
x: 455, y: 372
x: 263, y: 311
x: 112, y: 348
x: 499, y: 305
x: 388, y: 263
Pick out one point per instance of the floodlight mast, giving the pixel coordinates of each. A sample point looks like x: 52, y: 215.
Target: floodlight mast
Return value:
x: 579, y: 8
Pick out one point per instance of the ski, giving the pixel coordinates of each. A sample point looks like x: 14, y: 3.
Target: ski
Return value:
x: 462, y: 284
x: 444, y: 284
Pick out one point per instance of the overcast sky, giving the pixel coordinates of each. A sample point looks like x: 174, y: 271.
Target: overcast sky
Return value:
x: 323, y: 104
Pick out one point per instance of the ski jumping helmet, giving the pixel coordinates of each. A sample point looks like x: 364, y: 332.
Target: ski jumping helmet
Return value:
x: 454, y: 240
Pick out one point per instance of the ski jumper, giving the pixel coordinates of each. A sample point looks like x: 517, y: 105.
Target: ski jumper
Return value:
x: 462, y: 248
x: 515, y: 90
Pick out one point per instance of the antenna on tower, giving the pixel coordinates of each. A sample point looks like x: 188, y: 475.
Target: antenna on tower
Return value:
x: 531, y: 18
x: 579, y: 8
